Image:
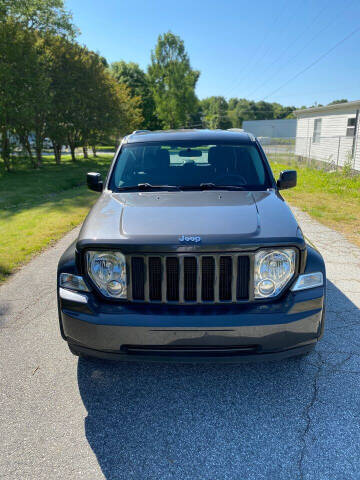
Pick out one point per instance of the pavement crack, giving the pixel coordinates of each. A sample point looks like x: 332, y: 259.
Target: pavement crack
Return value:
x: 340, y: 364
x: 307, y: 416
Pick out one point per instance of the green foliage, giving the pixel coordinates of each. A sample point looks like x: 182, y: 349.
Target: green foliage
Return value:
x: 342, y: 100
x: 64, y: 92
x: 215, y: 113
x: 241, y: 109
x: 172, y: 82
x: 23, y: 97
x: 47, y: 16
x: 131, y: 75
x: 90, y: 104
x: 347, y: 169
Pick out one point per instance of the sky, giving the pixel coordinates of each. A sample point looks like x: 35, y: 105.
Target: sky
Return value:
x: 247, y: 49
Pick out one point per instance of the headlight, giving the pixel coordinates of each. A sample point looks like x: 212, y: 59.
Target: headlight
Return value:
x: 108, y: 271
x: 273, y: 270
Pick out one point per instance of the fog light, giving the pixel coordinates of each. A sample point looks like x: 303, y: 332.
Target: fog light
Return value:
x: 308, y: 280
x: 266, y: 287
x: 116, y: 288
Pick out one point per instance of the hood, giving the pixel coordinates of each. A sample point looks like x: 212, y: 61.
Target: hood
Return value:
x: 158, y: 218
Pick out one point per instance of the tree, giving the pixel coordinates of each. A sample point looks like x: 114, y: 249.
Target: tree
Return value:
x: 131, y: 75
x: 24, y: 68
x: 88, y: 103
x: 241, y: 109
x: 342, y: 100
x: 23, y: 97
x: 117, y: 111
x: 172, y: 82
x: 48, y: 16
x: 215, y: 113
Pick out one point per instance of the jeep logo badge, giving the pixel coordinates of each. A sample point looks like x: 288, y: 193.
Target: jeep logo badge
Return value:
x: 189, y: 239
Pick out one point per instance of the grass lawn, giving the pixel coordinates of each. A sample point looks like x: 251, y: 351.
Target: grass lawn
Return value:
x: 105, y: 148
x: 330, y: 197
x: 38, y: 206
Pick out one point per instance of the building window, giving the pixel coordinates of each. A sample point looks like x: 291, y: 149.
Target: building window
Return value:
x: 317, y: 130
x: 351, y: 124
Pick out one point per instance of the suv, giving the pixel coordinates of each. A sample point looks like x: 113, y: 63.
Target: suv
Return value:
x: 191, y: 253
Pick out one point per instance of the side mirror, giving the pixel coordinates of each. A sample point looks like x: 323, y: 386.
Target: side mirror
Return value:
x: 94, y: 181
x: 287, y: 179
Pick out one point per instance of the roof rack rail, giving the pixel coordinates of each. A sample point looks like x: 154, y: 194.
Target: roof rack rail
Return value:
x: 140, y: 131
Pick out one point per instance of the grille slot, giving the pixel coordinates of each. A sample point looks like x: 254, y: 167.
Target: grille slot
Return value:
x: 190, y: 272
x: 138, y: 278
x: 172, y: 279
x: 242, y: 281
x: 225, y: 279
x: 208, y: 279
x: 182, y: 278
x: 155, y: 278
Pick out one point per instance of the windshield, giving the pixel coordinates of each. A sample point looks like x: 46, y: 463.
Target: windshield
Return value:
x: 187, y: 166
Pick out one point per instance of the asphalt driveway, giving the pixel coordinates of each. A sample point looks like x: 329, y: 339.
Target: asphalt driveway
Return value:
x: 61, y: 418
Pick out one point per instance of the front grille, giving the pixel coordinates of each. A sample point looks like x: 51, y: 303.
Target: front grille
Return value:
x: 189, y: 278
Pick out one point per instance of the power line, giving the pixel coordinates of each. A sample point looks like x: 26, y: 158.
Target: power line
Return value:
x: 299, y: 51
x: 259, y: 110
x: 317, y: 60
x: 289, y: 46
x: 319, y: 92
x: 266, y: 36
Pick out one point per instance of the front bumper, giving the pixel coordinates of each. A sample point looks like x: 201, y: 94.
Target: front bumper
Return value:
x: 278, y: 329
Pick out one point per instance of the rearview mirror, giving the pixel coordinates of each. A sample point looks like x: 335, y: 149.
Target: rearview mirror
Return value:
x: 94, y: 181
x: 287, y: 179
x: 190, y: 153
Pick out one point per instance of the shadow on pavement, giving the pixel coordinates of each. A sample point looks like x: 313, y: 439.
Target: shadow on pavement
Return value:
x: 269, y: 420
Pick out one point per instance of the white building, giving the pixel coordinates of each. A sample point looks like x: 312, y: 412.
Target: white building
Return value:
x: 285, y: 128
x: 329, y: 134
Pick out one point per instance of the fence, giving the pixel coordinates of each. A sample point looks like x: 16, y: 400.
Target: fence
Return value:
x: 334, y: 152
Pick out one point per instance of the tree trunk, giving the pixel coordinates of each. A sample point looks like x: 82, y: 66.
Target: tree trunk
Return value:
x: 85, y: 150
x: 94, y: 150
x: 72, y: 150
x: 57, y: 151
x: 38, y: 147
x: 24, y: 139
x: 5, y: 149
x: 38, y: 150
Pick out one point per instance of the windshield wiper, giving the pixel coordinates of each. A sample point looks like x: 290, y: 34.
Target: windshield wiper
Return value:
x: 144, y: 187
x: 212, y: 186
